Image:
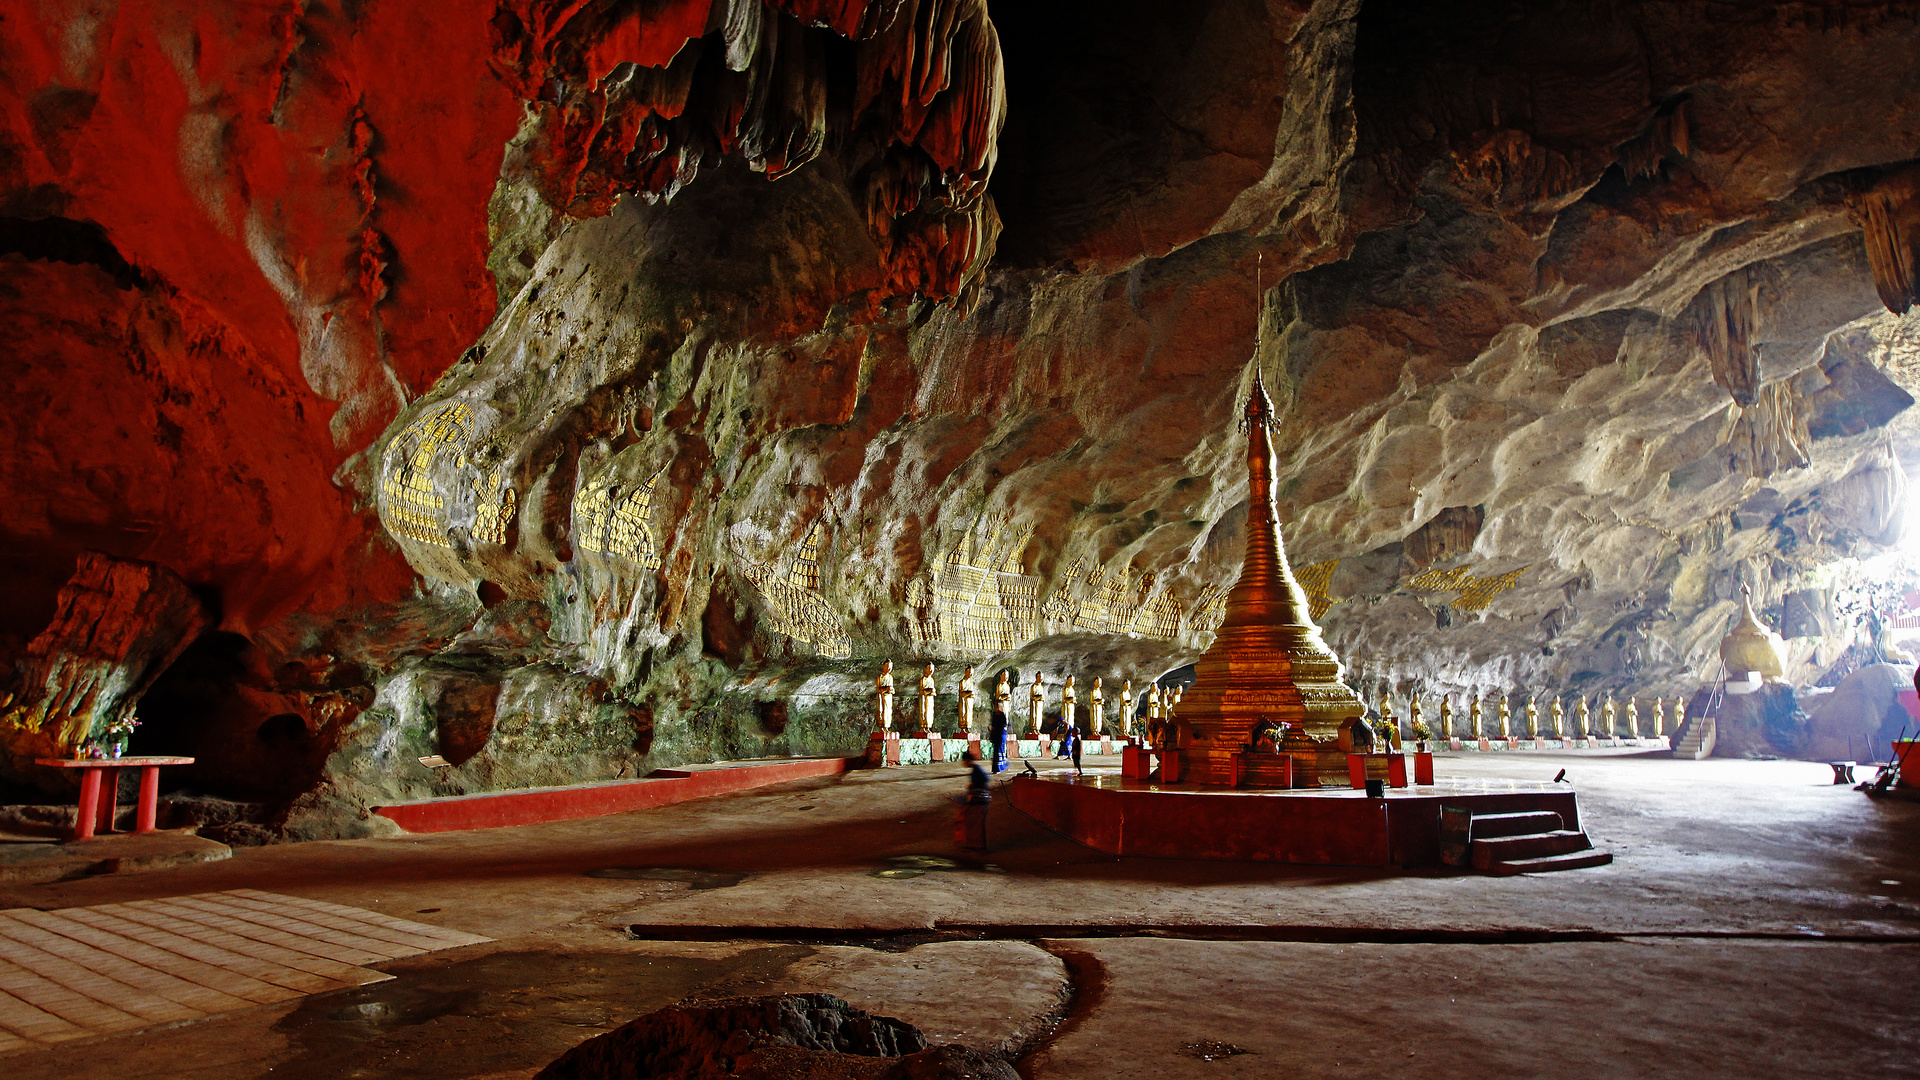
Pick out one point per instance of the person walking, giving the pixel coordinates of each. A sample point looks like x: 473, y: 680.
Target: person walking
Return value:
x: 998, y: 734
x: 971, y: 833
x: 1073, y: 746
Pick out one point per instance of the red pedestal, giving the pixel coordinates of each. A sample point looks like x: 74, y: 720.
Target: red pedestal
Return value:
x: 936, y: 747
x: 1397, y: 770
x: 893, y: 748
x: 1423, y: 768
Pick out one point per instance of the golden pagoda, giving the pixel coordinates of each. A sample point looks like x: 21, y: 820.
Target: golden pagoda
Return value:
x: 1750, y: 646
x: 1268, y: 665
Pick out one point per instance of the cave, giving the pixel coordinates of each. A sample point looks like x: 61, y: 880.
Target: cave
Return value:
x: 436, y: 428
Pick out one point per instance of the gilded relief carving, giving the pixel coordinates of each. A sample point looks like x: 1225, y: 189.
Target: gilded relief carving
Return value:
x: 1475, y: 592
x: 614, y: 521
x: 790, y: 587
x: 413, y: 507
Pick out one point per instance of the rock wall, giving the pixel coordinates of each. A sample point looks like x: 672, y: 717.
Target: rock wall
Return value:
x: 916, y: 330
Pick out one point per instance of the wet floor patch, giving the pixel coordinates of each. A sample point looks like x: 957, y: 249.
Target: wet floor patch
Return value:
x: 912, y: 866
x: 448, y: 1021
x: 693, y: 879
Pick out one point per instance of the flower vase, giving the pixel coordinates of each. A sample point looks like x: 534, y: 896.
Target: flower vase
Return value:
x: 118, y: 748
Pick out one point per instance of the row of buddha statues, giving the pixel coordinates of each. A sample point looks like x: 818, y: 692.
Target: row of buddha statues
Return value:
x: 1615, y: 719
x: 1160, y: 702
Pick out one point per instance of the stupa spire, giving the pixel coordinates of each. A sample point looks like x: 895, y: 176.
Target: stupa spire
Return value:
x: 1268, y: 664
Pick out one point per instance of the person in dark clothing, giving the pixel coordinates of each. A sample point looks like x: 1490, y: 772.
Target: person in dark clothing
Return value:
x: 1073, y: 746
x: 971, y: 830
x: 998, y: 734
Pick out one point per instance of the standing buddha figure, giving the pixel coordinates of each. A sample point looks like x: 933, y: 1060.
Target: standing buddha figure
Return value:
x: 1533, y: 718
x: 928, y: 691
x: 883, y: 697
x: 1506, y: 717
x: 967, y: 694
x: 1586, y: 718
x: 1608, y: 719
x: 1037, y: 704
x: 1474, y: 730
x: 1127, y: 705
x: 1446, y: 717
x: 1633, y: 718
x: 1096, y: 709
x: 1558, y: 715
x: 1069, y: 697
x: 1003, y: 699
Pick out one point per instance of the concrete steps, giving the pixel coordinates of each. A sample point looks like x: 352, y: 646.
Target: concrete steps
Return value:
x: 1516, y: 843
x: 1699, y: 740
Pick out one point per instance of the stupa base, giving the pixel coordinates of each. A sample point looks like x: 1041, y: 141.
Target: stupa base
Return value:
x: 1320, y: 826
x: 1309, y: 767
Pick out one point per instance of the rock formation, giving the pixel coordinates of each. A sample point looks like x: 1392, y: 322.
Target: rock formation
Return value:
x: 556, y: 387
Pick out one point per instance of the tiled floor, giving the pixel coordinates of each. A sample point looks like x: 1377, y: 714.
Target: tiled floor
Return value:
x: 85, y: 971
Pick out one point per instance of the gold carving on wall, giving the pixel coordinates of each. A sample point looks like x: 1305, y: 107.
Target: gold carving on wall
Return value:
x: 493, y: 512
x: 790, y: 587
x: 617, y: 522
x: 1314, y: 581
x: 414, y: 509
x: 1475, y: 592
x: 978, y: 601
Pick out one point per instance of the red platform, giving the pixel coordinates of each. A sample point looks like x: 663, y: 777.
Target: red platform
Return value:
x: 494, y: 809
x: 1324, y: 826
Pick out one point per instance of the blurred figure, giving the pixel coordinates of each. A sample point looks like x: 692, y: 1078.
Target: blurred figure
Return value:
x: 998, y: 735
x: 970, y: 831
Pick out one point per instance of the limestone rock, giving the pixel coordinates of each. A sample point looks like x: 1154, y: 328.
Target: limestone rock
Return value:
x: 118, y: 625
x: 1861, y: 716
x: 706, y: 1042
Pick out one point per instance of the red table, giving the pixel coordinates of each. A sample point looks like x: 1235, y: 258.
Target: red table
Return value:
x: 100, y: 795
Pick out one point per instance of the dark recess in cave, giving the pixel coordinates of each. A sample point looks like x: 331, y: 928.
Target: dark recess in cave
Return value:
x: 58, y: 239
x: 1084, y: 128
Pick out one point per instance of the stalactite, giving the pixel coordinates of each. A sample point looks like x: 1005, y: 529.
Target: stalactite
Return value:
x: 635, y: 100
x: 1889, y: 214
x: 1666, y: 137
x: 1725, y: 332
x: 1771, y: 434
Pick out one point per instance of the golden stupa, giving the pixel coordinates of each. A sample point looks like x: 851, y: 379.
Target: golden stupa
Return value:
x: 1750, y: 646
x: 1268, y: 665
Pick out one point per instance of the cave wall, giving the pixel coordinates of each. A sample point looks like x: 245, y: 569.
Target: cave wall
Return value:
x: 698, y: 356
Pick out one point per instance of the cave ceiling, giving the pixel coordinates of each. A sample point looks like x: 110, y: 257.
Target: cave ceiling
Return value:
x: 605, y: 363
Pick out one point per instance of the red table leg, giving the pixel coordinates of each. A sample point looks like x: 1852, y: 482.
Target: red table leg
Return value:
x: 109, y: 798
x: 88, y: 811
x: 149, y: 799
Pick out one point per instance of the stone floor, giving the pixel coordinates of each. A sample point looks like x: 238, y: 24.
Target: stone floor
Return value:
x: 1757, y: 921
